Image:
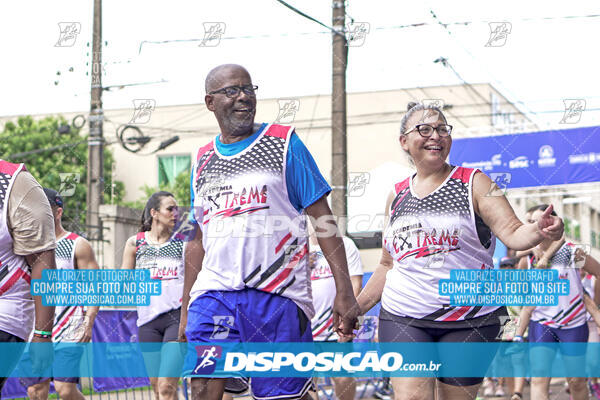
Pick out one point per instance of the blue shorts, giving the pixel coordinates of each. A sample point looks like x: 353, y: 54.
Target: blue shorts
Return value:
x: 63, y: 357
x: 539, y: 333
x: 250, y: 315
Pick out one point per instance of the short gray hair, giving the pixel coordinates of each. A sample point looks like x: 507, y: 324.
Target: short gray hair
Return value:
x: 412, y: 108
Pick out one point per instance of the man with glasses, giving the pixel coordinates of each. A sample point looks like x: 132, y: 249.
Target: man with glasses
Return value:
x: 251, y: 189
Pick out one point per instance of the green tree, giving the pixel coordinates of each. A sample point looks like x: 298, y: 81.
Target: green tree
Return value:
x: 180, y: 189
x: 62, y: 166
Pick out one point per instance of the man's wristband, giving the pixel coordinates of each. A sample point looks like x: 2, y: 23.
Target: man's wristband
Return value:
x: 518, y: 338
x: 40, y: 332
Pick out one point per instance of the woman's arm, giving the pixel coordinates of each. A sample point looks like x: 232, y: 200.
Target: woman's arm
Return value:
x: 370, y: 295
x: 498, y: 214
x: 524, y: 319
x: 129, y: 254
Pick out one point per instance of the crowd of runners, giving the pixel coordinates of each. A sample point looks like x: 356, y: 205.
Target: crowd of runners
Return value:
x: 291, y: 286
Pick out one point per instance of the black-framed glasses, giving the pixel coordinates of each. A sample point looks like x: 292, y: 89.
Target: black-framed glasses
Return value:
x: 426, y: 130
x: 234, y: 91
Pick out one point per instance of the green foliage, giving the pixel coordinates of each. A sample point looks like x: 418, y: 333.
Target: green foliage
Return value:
x: 63, y: 169
x: 180, y: 189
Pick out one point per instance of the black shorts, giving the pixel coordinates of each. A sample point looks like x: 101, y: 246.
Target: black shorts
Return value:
x: 393, y: 328
x: 164, y: 328
x: 6, y: 337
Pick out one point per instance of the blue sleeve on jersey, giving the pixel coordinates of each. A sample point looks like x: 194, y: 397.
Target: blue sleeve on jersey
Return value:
x: 305, y: 184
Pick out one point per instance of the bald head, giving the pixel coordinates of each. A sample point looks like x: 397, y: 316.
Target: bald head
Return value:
x: 218, y: 75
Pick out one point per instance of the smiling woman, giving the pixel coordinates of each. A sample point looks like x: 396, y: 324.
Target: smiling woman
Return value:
x: 439, y: 199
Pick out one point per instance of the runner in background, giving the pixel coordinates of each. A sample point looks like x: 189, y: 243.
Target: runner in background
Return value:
x: 72, y: 323
x: 563, y: 323
x: 160, y: 251
x: 323, y: 291
x: 27, y: 243
x: 591, y: 285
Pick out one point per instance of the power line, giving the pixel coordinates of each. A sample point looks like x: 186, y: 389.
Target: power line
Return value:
x: 310, y: 18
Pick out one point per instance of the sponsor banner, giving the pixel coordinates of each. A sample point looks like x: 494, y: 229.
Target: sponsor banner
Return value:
x: 222, y: 359
x: 478, y: 287
x: 533, y: 159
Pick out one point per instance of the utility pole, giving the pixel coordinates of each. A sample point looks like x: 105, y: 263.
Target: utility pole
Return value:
x: 95, y: 180
x: 339, y: 167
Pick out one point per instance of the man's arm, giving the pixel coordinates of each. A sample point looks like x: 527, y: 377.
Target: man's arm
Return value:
x: 85, y: 259
x: 44, y: 315
x: 193, y: 256
x: 345, y: 308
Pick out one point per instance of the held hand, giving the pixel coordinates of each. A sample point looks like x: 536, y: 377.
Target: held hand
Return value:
x: 181, y: 337
x: 87, y: 334
x: 549, y: 226
x: 345, y: 315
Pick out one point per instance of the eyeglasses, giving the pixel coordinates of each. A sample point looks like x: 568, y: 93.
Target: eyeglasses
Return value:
x: 426, y: 130
x: 234, y: 91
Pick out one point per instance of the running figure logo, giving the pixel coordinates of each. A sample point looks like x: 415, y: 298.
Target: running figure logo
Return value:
x: 287, y: 110
x: 357, y: 183
x: 212, y: 34
x: 367, y: 328
x: 573, y: 110
x: 498, y: 34
x: 68, y: 34
x: 142, y: 110
x: 500, y: 181
x: 68, y: 183
x: 222, y: 326
x: 207, y: 359
x: 356, y: 33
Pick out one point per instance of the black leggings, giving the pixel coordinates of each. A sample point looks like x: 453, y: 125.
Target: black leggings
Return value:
x: 397, y: 331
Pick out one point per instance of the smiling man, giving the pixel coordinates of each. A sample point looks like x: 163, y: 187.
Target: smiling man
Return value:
x: 258, y: 281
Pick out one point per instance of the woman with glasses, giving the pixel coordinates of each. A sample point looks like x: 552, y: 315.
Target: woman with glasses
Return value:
x: 442, y: 218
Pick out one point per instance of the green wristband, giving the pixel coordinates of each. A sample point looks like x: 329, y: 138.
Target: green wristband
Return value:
x: 45, y: 333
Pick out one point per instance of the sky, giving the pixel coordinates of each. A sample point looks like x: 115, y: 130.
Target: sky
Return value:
x: 545, y: 59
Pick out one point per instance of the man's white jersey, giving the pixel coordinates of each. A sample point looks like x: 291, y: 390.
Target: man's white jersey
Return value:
x: 570, y: 311
x: 427, y: 237
x: 16, y: 303
x: 252, y: 235
x: 69, y: 321
x: 165, y: 262
x: 323, y: 288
